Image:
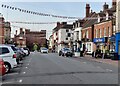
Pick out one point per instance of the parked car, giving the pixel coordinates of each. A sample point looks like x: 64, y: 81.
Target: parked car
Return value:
x: 65, y: 52
x: 16, y: 51
x: 44, y: 50
x: 2, y: 67
x: 22, y: 54
x: 26, y: 50
x: 9, y: 57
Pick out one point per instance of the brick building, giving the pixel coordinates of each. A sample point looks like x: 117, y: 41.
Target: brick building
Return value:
x: 7, y: 32
x: 88, y: 30
x: 36, y: 37
x: 1, y: 30
x: 20, y: 39
x: 104, y: 29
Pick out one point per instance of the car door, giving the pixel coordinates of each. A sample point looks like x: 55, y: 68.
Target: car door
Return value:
x: 7, y: 56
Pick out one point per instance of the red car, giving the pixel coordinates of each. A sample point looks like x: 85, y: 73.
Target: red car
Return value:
x: 2, y: 67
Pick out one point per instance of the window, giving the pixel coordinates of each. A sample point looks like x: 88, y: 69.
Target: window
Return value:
x: 4, y: 50
x: 13, y: 48
x: 77, y: 33
x: 105, y: 32
x: 66, y: 38
x: 67, y: 30
x: 69, y: 34
x: 96, y: 33
x: 100, y: 33
x: 109, y: 31
x: 87, y: 34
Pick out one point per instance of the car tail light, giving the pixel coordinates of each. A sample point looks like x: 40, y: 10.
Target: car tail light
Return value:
x: 1, y: 62
x: 14, y: 56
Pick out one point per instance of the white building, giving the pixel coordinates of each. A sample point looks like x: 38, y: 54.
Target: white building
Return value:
x: 64, y: 35
x: 50, y: 42
x: 77, y: 27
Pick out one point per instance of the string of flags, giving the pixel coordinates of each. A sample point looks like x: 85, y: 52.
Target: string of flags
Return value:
x: 48, y: 15
x: 37, y: 13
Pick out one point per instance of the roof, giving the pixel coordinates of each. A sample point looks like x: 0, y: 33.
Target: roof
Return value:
x: 66, y: 26
x: 90, y: 22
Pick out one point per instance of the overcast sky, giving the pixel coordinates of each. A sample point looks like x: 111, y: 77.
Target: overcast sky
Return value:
x: 70, y: 9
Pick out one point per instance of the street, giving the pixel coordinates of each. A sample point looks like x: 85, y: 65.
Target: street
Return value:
x: 39, y: 68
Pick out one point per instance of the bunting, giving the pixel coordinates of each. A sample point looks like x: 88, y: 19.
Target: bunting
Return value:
x: 37, y: 13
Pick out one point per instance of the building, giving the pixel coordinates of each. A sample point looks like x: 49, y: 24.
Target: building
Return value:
x: 20, y: 39
x: 104, y: 29
x: 62, y: 35
x: 7, y: 32
x: 1, y: 29
x: 77, y: 27
x: 35, y: 37
x: 117, y: 50
x: 88, y: 30
x: 50, y: 42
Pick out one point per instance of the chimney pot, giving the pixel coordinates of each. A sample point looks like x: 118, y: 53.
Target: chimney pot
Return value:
x: 87, y: 10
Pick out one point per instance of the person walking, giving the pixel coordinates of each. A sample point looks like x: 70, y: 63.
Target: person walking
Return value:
x: 103, y: 56
x: 98, y: 52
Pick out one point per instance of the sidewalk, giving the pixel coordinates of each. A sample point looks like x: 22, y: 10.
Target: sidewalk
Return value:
x: 107, y: 61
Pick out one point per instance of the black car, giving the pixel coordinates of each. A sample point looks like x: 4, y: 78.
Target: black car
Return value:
x: 65, y: 52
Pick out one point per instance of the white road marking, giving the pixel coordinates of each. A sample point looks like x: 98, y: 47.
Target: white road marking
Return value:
x: 84, y: 62
x: 24, y: 72
x: 6, y: 82
x: 20, y: 80
x: 108, y: 70
x: 26, y: 67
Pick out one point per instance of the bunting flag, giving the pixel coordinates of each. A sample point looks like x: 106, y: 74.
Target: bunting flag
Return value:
x: 49, y: 15
x: 37, y: 13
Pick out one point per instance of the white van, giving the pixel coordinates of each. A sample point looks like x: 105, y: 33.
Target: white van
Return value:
x: 9, y: 57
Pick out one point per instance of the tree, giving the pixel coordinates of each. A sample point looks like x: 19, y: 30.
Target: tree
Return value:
x: 35, y: 47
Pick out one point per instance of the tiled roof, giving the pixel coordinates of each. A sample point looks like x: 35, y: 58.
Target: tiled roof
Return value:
x: 90, y: 22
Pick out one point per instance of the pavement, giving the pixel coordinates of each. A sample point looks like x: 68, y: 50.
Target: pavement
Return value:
x: 107, y: 61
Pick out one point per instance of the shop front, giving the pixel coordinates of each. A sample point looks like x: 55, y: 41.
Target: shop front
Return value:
x: 112, y: 43
x: 117, y: 49
x: 101, y: 42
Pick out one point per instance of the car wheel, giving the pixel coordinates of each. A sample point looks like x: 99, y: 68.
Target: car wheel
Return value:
x: 8, y: 67
x: 62, y: 54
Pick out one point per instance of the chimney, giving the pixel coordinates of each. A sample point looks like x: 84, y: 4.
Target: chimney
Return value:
x: 114, y: 3
x: 27, y: 31
x: 87, y: 10
x: 105, y: 6
x: 58, y: 24
x: 21, y: 30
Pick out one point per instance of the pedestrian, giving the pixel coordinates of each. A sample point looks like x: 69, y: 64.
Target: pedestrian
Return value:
x: 98, y: 52
x: 103, y: 56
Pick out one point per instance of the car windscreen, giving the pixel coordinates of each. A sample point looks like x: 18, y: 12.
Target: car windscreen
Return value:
x: 66, y: 49
x: 44, y: 49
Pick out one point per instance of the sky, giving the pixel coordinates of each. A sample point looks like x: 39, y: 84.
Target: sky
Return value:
x: 70, y: 9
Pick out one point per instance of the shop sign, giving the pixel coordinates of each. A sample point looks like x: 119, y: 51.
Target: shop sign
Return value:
x: 96, y: 40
